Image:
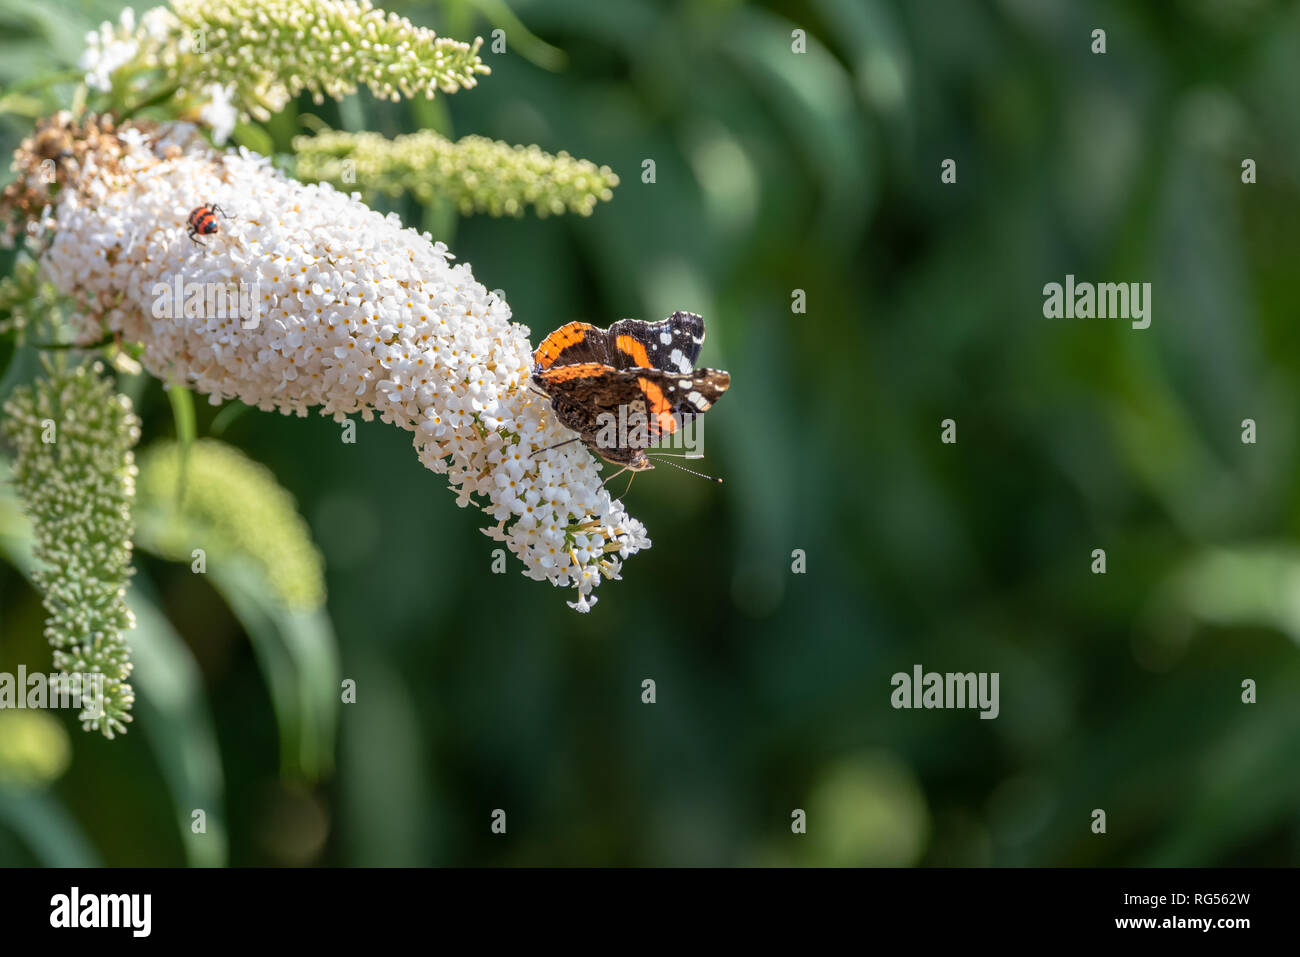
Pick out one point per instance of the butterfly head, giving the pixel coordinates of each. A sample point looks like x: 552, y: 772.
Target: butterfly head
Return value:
x: 632, y: 460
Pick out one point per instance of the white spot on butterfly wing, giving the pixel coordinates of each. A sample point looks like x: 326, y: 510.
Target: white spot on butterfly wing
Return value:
x: 666, y: 338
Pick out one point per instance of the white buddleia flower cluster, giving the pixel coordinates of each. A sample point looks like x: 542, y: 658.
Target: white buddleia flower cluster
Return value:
x: 75, y: 472
x: 305, y: 297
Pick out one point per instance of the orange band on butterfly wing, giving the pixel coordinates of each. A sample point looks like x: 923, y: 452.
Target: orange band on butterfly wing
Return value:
x: 630, y: 347
x: 562, y: 338
x: 659, y: 406
x: 582, y: 370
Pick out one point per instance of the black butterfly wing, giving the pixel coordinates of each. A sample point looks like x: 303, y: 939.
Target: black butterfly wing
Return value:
x: 672, y: 344
x: 672, y: 397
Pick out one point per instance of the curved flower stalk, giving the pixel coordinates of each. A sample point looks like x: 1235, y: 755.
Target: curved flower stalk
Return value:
x: 255, y: 55
x: 338, y: 308
x: 475, y: 173
x: 75, y: 473
x: 232, y: 506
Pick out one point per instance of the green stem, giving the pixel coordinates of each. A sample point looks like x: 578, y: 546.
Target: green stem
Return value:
x: 73, y: 345
x: 49, y: 79
x: 160, y: 97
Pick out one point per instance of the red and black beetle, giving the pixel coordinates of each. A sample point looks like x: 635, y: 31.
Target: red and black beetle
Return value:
x: 203, y: 220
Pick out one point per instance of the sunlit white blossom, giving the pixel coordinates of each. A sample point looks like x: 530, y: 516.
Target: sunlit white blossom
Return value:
x: 219, y: 112
x: 108, y: 49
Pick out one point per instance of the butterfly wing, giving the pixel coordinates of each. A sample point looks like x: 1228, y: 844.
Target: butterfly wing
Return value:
x: 585, y: 393
x: 574, y: 343
x: 673, y: 395
x: 672, y: 344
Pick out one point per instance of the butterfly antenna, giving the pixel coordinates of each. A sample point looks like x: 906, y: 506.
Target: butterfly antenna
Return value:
x: 711, y: 478
x: 558, y: 444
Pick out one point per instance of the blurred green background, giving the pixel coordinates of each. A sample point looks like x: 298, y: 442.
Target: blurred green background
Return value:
x: 778, y: 171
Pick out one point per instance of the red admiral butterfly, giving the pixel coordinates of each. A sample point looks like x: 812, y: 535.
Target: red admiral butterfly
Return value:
x: 643, y: 368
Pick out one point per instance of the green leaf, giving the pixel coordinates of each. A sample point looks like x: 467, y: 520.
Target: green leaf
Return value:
x: 20, y: 104
x: 23, y: 366
x: 522, y: 40
x: 229, y: 414
x: 42, y: 81
x: 15, y: 530
x: 42, y: 822
x: 296, y: 651
x: 7, y: 349
x: 253, y: 137
x: 171, y: 709
x: 812, y: 96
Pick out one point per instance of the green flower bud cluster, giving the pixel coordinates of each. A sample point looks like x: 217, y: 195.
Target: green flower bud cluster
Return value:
x: 477, y: 174
x: 27, y: 301
x: 75, y: 473
x: 265, y: 52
